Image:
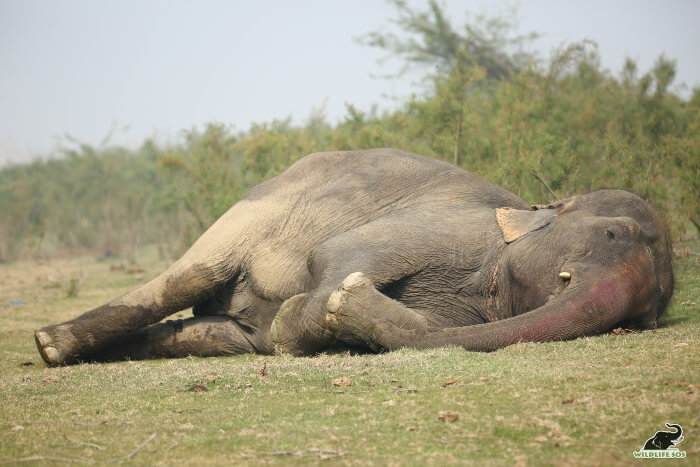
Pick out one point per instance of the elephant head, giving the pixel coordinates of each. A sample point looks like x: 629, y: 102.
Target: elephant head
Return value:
x: 665, y: 439
x: 585, y: 264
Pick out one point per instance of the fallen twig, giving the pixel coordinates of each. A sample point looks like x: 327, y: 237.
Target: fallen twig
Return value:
x: 100, y: 423
x: 181, y: 411
x: 92, y: 445
x: 85, y: 443
x: 135, y: 451
x: 307, y: 453
x: 81, y: 460
x: 46, y: 459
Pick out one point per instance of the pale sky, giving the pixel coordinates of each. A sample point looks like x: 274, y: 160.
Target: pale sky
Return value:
x: 153, y: 68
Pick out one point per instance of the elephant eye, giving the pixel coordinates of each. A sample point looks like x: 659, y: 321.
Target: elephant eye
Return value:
x: 610, y: 234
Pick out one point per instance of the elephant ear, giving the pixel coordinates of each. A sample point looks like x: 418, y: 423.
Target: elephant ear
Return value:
x: 514, y: 223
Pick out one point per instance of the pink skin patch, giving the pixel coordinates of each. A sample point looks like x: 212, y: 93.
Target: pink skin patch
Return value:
x: 603, y: 305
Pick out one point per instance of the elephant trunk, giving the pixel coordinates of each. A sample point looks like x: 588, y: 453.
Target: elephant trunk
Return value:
x: 585, y: 307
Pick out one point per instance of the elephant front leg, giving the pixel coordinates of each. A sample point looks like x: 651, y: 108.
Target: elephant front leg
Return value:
x: 582, y: 309
x: 207, y: 336
x: 300, y: 327
x: 358, y: 312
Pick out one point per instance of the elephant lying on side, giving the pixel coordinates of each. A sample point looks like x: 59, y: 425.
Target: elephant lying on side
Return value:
x: 385, y: 249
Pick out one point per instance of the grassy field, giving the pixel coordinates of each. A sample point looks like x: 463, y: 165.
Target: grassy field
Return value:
x: 593, y: 400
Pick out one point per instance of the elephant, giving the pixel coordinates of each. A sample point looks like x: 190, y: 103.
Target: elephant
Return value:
x: 382, y: 249
x: 665, y: 439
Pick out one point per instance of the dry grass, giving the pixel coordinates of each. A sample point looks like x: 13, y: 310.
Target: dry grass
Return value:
x: 592, y: 400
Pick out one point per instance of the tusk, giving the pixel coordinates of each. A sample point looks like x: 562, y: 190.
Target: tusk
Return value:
x: 565, y: 275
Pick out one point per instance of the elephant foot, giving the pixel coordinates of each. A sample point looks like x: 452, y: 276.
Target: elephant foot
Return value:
x: 56, y: 344
x: 350, y: 309
x: 295, y: 332
x: 358, y: 312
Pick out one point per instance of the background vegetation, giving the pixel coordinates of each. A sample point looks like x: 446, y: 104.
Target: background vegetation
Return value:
x: 543, y: 129
x: 489, y: 106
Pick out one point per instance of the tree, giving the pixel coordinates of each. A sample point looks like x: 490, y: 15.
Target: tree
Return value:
x: 428, y: 38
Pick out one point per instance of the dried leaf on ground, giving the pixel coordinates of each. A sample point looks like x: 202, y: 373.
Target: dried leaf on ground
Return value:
x: 449, y: 382
x: 567, y: 401
x: 680, y: 384
x: 448, y: 416
x: 683, y: 384
x: 342, y: 381
x: 211, y: 378
x: 50, y: 378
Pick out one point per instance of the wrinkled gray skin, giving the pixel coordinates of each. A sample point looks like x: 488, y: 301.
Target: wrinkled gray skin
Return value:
x: 384, y: 249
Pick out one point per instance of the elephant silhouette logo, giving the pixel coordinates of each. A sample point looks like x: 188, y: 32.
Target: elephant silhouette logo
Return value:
x: 665, y: 439
x: 663, y: 444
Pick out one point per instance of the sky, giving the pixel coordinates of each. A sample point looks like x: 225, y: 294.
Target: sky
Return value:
x: 140, y: 69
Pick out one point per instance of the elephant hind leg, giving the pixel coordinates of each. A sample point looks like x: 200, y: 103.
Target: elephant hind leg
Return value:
x: 288, y: 329
x: 205, y: 336
x: 181, y: 286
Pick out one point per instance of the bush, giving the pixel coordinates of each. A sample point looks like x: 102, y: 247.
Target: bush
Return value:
x: 541, y: 129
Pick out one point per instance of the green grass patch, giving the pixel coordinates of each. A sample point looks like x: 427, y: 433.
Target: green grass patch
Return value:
x: 592, y: 400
